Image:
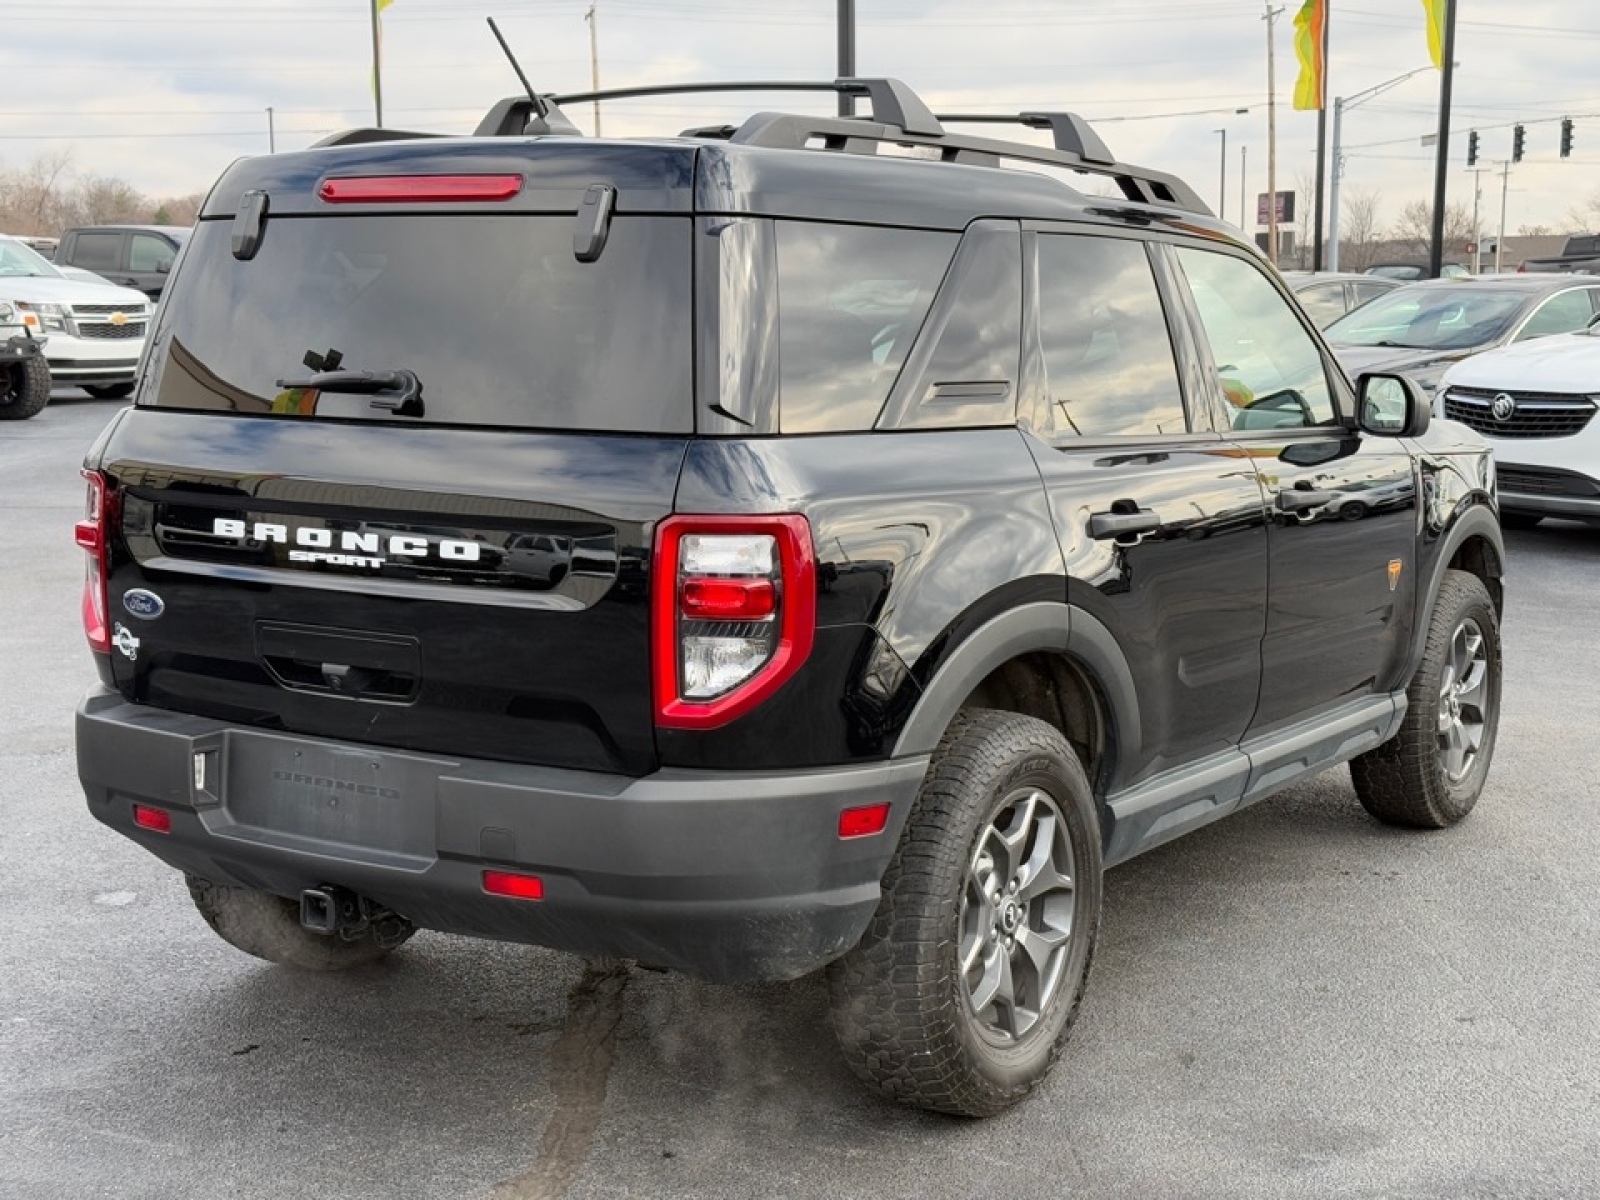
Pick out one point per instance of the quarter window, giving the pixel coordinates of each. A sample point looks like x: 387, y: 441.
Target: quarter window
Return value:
x: 1269, y: 366
x: 1109, y: 365
x: 1566, y: 312
x: 97, y: 251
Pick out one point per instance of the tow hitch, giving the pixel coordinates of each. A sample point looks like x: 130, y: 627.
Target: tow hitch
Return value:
x: 339, y: 912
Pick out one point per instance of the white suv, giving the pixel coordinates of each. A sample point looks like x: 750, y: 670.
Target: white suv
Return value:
x: 96, y: 331
x: 1536, y: 402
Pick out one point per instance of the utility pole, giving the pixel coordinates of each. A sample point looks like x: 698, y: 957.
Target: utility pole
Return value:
x: 1322, y: 143
x: 1272, y: 132
x: 272, y: 136
x: 1244, y: 190
x: 847, y: 53
x: 1442, y: 162
x: 1333, y: 187
x: 1222, y: 189
x: 1500, y: 242
x: 1477, y: 225
x: 594, y: 63
x: 377, y: 66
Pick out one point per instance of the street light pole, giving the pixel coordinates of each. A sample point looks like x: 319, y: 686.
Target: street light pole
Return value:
x: 847, y: 53
x: 1339, y: 105
x: 272, y: 136
x: 1222, y: 191
x: 1244, y: 188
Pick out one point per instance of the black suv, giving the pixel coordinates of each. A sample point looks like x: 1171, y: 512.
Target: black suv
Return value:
x: 753, y: 551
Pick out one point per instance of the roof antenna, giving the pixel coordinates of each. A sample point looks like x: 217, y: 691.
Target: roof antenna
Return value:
x: 539, y: 107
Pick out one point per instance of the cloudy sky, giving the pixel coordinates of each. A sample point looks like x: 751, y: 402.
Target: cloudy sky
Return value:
x: 165, y: 93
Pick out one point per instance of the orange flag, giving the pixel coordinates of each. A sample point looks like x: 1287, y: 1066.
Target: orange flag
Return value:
x: 1310, y: 28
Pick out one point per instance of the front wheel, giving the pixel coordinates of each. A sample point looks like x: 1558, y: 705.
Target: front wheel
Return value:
x: 24, y: 388
x: 109, y: 391
x: 960, y: 995
x: 1429, y: 775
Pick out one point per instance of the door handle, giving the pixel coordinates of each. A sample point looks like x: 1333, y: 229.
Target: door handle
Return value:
x: 1299, y: 500
x: 1116, y: 524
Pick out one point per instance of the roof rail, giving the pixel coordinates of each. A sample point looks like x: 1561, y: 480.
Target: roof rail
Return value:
x: 369, y: 133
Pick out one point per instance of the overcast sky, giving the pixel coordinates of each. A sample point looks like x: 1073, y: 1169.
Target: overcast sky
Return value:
x: 165, y: 93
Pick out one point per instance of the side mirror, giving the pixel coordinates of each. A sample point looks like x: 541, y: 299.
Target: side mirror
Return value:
x: 1392, y: 406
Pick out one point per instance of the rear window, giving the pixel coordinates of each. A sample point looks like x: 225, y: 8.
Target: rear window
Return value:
x: 494, y: 316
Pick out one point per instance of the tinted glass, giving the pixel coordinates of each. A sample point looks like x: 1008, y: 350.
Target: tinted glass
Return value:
x: 1370, y: 291
x: 1431, y: 318
x: 1270, y: 368
x: 850, y: 302
x: 149, y: 253
x: 1562, y: 313
x: 1323, y: 303
x: 97, y: 251
x: 1107, y: 352
x: 494, y: 315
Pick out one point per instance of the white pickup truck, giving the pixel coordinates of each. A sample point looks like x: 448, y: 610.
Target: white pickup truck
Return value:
x: 94, y: 332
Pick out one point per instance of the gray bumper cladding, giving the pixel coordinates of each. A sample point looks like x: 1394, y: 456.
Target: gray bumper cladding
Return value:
x: 725, y: 875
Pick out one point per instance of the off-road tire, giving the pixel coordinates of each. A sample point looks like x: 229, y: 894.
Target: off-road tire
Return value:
x: 24, y: 388
x: 268, y: 927
x: 1404, y: 781
x: 898, y: 1003
x: 109, y: 391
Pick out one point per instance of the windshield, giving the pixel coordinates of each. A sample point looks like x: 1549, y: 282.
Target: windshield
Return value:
x: 19, y: 261
x: 493, y: 316
x: 1430, y: 318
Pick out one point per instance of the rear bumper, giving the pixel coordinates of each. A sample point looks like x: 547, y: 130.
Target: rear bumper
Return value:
x: 730, y: 876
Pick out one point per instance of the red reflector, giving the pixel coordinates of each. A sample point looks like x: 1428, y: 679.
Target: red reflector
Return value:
x: 157, y: 820
x: 87, y: 534
x: 864, y: 821
x: 728, y: 599
x: 518, y: 887
x: 397, y: 189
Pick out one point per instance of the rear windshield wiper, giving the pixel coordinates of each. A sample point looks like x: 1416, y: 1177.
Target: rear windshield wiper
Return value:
x: 399, y: 391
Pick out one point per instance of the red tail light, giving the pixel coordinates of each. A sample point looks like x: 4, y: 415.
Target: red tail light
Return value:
x: 734, y: 614
x: 401, y: 189
x: 92, y: 533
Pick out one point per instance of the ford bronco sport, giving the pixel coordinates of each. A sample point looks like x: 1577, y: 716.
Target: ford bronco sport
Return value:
x: 753, y: 551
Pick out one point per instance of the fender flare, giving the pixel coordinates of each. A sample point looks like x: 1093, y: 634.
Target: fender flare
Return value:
x: 1042, y: 625
x: 1477, y: 521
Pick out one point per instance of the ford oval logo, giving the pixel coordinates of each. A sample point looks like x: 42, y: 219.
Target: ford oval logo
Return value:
x: 147, y: 606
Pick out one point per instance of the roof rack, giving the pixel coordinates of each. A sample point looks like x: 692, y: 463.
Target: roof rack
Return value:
x: 898, y: 116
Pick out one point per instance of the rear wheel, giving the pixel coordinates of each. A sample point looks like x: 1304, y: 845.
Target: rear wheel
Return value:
x: 268, y: 927
x: 961, y: 993
x: 109, y: 391
x: 24, y: 388
x: 1429, y: 775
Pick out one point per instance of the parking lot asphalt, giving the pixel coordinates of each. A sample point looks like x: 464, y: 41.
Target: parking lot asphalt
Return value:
x: 1294, y: 1002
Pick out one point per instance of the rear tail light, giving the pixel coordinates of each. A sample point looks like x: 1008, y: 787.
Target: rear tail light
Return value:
x: 735, y: 611
x: 93, y: 534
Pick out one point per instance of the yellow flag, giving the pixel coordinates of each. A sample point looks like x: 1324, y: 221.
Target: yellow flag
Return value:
x: 1435, y: 12
x: 1310, y: 25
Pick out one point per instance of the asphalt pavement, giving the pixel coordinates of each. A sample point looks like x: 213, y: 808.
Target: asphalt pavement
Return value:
x: 1294, y: 1002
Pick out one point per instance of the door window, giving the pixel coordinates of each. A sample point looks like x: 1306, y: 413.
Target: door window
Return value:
x: 1562, y: 313
x: 1270, y: 367
x: 97, y: 251
x: 1108, y: 357
x: 1324, y: 303
x: 147, y: 253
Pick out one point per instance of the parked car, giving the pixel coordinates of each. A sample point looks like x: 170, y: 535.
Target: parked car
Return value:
x: 1580, y: 256
x: 136, y: 256
x: 1536, y: 404
x: 24, y: 373
x: 889, y: 545
x: 1411, y: 272
x: 95, y: 331
x: 1328, y: 295
x: 1421, y: 328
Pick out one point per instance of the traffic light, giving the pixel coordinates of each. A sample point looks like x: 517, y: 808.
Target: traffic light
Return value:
x: 1472, y: 148
x: 1519, y: 137
x: 1566, y: 137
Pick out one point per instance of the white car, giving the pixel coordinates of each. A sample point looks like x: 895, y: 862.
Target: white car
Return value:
x: 96, y: 331
x: 1536, y: 402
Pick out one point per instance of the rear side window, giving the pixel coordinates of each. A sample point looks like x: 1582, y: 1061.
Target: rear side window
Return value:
x: 494, y: 315
x: 850, y: 302
x: 1108, y: 356
x: 97, y: 251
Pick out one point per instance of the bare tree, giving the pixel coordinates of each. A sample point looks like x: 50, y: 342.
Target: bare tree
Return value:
x: 1585, y: 217
x: 177, y: 210
x: 1358, y: 229
x: 106, y: 200
x: 1414, y: 230
x: 1534, y: 231
x: 33, y: 198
